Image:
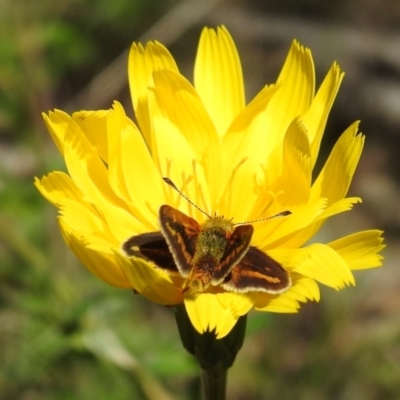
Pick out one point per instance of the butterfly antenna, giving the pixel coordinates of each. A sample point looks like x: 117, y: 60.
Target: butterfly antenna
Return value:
x: 280, y: 214
x: 172, y: 184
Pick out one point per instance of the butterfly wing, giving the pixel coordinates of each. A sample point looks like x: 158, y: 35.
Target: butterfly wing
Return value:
x: 237, y: 246
x: 180, y: 232
x: 133, y: 244
x: 153, y: 247
x: 257, y: 272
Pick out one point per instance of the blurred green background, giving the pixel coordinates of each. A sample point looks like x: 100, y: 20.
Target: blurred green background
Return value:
x: 65, y: 335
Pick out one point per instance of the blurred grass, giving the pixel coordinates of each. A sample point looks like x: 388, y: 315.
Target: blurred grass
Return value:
x: 65, y: 335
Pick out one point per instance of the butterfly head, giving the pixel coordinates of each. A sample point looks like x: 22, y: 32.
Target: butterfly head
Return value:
x: 218, y: 223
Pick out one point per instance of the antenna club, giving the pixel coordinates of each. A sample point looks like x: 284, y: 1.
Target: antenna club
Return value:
x: 285, y: 213
x: 172, y: 184
x: 280, y: 214
x: 169, y: 182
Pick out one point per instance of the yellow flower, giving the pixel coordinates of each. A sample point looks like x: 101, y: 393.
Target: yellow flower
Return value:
x: 244, y: 162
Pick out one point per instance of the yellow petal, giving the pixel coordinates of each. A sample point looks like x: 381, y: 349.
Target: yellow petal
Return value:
x: 139, y: 183
x: 297, y: 85
x: 302, y: 290
x: 57, y: 186
x: 141, y: 65
x: 59, y: 189
x: 81, y: 218
x: 302, y: 236
x: 181, y: 105
x: 335, y: 177
x: 322, y: 263
x: 91, y: 177
x: 102, y: 265
x: 295, y: 179
x: 280, y: 231
x: 360, y: 250
x: 184, y: 133
x: 265, y: 133
x: 248, y: 128
x: 117, y: 125
x: 77, y: 149
x: 218, y: 77
x: 246, y: 137
x: 150, y: 281
x: 316, y: 116
x: 93, y: 125
x: 219, y: 311
x: 64, y: 131
x: 339, y: 207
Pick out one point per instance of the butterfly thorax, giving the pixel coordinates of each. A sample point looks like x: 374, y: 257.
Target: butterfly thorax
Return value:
x: 212, y: 239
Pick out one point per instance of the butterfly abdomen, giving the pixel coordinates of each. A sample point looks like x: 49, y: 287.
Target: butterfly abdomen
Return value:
x: 202, y: 272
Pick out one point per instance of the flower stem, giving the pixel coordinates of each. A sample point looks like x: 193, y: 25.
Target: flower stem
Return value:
x: 214, y: 382
x: 214, y: 355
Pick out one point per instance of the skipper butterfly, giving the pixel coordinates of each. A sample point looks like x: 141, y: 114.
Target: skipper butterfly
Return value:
x: 216, y: 253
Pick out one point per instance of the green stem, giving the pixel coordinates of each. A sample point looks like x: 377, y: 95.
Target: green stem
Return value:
x: 214, y: 355
x: 214, y: 382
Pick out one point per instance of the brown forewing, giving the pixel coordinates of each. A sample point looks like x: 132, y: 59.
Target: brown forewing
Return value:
x: 237, y: 246
x: 180, y: 232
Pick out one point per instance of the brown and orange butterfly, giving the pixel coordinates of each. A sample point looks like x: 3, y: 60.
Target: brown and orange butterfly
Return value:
x: 217, y: 253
